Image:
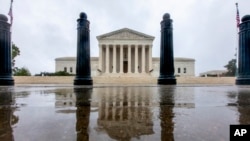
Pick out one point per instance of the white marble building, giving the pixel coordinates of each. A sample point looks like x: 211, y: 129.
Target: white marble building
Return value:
x: 126, y: 52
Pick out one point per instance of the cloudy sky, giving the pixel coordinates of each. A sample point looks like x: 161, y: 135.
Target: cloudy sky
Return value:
x: 203, y: 29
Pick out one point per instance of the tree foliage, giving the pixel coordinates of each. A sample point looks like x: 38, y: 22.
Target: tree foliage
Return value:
x: 59, y: 73
x: 22, y: 72
x: 231, y: 68
x: 18, y: 71
x: 15, y: 53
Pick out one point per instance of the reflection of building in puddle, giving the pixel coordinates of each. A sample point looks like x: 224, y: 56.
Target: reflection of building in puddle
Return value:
x: 124, y: 112
x: 76, y: 101
x: 65, y: 98
x: 184, y: 97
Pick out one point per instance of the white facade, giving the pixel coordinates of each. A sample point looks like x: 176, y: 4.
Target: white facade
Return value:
x: 126, y: 52
x: 213, y: 73
x: 182, y: 66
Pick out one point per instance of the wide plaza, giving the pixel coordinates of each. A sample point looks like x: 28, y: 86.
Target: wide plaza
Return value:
x: 122, y: 112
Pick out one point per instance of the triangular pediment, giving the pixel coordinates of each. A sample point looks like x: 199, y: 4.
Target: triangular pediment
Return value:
x: 125, y: 34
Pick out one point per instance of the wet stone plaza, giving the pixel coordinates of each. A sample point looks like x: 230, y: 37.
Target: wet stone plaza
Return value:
x: 122, y: 113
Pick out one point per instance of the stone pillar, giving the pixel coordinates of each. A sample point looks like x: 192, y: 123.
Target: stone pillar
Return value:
x: 83, y: 72
x: 107, y: 59
x: 136, y: 58
x: 143, y: 59
x: 5, y: 53
x: 150, y: 58
x: 114, y: 58
x: 100, y: 58
x: 243, y: 77
x: 121, y: 59
x: 129, y: 58
x: 166, y: 56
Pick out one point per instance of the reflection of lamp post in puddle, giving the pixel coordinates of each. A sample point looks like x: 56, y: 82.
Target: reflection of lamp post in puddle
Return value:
x: 7, y: 119
x: 243, y: 106
x: 166, y: 95
x: 83, y: 96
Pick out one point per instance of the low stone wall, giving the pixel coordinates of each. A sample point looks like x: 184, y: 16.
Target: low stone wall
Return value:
x: 206, y: 80
x: 121, y: 80
x: 44, y: 79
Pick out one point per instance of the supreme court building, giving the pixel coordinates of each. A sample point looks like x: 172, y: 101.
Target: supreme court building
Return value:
x: 126, y: 52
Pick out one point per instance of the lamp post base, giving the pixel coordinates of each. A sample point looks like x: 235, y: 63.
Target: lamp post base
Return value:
x: 6, y: 81
x: 83, y: 81
x: 243, y: 81
x: 167, y: 81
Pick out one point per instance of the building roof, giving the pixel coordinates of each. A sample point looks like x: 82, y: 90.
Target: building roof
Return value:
x: 182, y: 59
x: 125, y: 33
x: 65, y: 59
x: 74, y: 59
x: 213, y: 72
x: 97, y: 58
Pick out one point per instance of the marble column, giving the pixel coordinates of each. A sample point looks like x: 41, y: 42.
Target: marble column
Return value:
x: 143, y: 59
x: 121, y: 59
x: 136, y: 58
x: 150, y: 58
x: 129, y: 58
x: 100, y: 57
x: 114, y: 58
x: 107, y: 59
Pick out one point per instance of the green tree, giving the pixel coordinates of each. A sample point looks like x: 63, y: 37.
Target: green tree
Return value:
x: 61, y: 73
x: 22, y: 72
x: 231, y: 68
x: 15, y: 53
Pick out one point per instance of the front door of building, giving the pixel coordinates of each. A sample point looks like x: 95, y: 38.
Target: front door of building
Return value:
x: 125, y: 66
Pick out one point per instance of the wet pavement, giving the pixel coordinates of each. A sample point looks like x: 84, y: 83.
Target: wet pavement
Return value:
x: 124, y: 113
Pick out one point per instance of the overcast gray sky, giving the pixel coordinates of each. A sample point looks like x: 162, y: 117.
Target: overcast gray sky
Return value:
x: 203, y: 29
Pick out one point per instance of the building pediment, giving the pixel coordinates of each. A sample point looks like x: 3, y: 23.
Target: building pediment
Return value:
x: 125, y: 34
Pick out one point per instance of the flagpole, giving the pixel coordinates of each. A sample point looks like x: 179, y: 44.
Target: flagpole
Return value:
x: 237, y: 39
x: 11, y: 22
x: 11, y: 15
x: 237, y: 52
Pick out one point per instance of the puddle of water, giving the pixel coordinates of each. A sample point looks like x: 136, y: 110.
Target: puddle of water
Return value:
x: 122, y: 113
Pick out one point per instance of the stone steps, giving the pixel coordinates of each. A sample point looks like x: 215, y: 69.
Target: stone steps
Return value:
x: 125, y: 79
x: 129, y: 75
